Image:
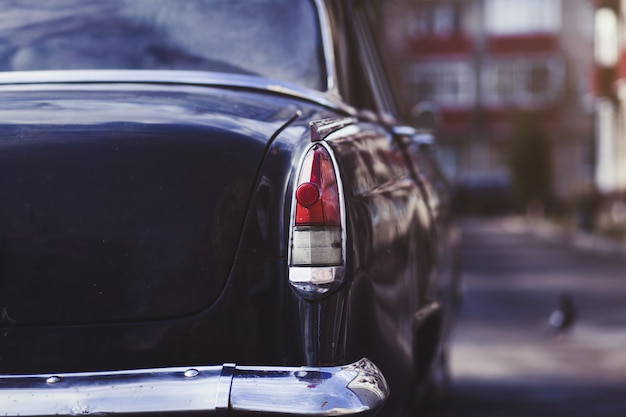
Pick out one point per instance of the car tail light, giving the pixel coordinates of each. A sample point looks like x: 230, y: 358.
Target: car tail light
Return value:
x: 317, y: 195
x: 317, y: 232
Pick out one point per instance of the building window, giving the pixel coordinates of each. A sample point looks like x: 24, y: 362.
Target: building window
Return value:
x: 440, y: 19
x: 606, y: 47
x: 449, y: 84
x: 538, y: 80
x: 517, y: 17
x: 523, y: 82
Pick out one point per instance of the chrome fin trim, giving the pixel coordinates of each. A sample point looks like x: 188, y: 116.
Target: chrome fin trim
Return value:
x: 320, y: 129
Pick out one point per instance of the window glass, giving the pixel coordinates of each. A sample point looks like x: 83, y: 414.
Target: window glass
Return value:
x: 512, y: 17
x: 447, y: 83
x: 272, y: 38
x: 523, y: 82
x: 372, y: 61
x: 440, y: 19
x: 607, y: 42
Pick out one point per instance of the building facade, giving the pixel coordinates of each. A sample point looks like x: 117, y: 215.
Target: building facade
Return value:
x: 484, y: 62
x: 610, y: 93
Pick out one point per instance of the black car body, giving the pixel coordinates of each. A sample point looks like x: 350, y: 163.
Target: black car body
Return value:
x: 183, y: 232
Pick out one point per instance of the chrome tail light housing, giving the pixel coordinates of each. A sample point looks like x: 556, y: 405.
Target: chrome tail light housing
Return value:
x: 317, y: 231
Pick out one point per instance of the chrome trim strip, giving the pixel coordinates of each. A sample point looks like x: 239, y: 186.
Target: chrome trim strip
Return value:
x: 199, y: 78
x: 222, y: 399
x: 110, y: 393
x: 320, y: 129
x: 304, y: 279
x: 327, y: 46
x: 228, y: 389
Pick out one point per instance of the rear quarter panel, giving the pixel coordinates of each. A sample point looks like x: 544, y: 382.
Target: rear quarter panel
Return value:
x: 390, y: 252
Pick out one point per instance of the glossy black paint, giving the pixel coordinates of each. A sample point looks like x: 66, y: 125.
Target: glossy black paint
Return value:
x: 389, y: 238
x: 238, y: 151
x: 391, y: 232
x: 134, y: 340
x: 129, y: 206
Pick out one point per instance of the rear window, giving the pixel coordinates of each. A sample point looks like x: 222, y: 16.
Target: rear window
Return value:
x: 278, y: 39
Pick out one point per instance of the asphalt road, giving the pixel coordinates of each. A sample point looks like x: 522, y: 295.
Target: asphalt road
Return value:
x: 505, y: 360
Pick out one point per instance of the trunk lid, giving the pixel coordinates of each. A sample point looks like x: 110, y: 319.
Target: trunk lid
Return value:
x: 127, y: 204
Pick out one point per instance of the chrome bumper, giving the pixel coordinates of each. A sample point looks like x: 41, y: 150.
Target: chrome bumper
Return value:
x: 226, y: 390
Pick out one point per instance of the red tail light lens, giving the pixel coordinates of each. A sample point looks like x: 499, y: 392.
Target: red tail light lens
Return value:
x: 317, y: 196
x: 308, y: 194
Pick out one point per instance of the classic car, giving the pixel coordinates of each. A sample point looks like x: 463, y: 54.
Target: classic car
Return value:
x: 213, y: 207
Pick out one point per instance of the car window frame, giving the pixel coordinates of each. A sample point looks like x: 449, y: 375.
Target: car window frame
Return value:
x: 371, y: 62
x: 328, y: 51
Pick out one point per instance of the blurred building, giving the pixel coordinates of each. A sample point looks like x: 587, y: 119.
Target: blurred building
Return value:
x: 610, y: 91
x: 483, y: 62
x: 610, y: 110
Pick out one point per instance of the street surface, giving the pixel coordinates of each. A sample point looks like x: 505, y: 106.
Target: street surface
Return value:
x: 506, y: 361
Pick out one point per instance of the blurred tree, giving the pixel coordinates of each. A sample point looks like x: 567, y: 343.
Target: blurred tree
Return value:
x: 530, y: 162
